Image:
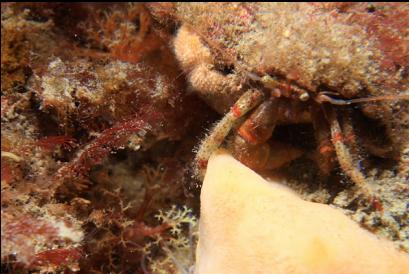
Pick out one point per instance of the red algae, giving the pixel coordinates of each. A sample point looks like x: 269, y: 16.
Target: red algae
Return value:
x: 101, y: 121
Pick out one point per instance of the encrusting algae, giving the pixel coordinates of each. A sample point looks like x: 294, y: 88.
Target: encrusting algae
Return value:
x: 110, y: 111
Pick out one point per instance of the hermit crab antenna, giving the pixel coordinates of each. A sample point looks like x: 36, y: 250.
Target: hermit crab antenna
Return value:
x: 323, y: 97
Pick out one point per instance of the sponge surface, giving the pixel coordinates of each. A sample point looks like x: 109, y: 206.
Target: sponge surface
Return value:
x: 250, y: 225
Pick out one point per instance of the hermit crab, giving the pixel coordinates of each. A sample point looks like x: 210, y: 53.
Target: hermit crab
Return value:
x: 263, y: 64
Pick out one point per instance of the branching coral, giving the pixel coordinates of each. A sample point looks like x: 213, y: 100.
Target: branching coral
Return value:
x: 176, y: 246
x: 129, y: 233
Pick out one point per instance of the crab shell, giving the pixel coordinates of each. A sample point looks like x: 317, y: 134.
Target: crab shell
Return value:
x: 352, y: 49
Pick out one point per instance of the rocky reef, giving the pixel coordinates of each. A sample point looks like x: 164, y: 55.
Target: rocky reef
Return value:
x: 100, y: 123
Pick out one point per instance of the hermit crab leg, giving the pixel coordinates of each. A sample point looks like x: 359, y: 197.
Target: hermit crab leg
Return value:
x: 259, y: 127
x: 197, y: 61
x: 344, y: 156
x: 325, y: 156
x: 249, y: 142
x: 349, y: 132
x: 251, y: 145
x: 249, y: 100
x: 263, y: 156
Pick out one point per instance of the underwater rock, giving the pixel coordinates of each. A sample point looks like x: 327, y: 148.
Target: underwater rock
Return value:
x: 249, y: 225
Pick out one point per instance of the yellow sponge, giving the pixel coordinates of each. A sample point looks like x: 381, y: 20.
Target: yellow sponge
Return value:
x: 249, y: 225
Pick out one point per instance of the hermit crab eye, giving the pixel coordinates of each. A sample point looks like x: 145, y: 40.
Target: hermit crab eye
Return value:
x: 225, y: 69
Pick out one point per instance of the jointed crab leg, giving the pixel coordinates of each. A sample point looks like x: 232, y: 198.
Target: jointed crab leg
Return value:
x: 258, y: 128
x: 349, y: 132
x: 217, y: 89
x: 325, y: 156
x: 344, y: 157
x: 218, y: 133
x: 250, y: 143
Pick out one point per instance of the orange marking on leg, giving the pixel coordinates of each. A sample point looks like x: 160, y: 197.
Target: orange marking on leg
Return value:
x: 247, y: 136
x: 236, y: 111
x: 326, y: 149
x: 202, y: 164
x: 337, y: 138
